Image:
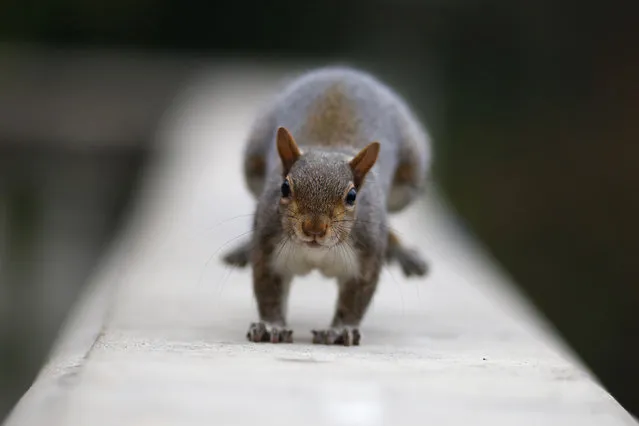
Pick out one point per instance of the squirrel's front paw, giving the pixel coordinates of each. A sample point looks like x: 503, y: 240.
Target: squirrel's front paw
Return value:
x: 345, y: 336
x: 263, y: 332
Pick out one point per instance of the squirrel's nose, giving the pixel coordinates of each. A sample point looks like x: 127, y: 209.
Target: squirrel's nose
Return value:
x: 314, y: 228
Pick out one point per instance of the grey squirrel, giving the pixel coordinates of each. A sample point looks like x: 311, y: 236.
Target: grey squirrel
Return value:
x: 323, y: 204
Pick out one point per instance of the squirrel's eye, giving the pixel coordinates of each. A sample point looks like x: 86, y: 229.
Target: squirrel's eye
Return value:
x: 350, y: 197
x: 286, y: 189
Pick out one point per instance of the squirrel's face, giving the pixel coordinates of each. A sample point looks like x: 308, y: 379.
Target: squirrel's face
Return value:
x: 319, y: 192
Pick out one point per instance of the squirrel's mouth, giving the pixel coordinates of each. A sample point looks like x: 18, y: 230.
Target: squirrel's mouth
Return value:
x: 313, y: 244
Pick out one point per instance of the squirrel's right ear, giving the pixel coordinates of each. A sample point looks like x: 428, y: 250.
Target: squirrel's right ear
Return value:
x: 363, y: 162
x: 287, y: 149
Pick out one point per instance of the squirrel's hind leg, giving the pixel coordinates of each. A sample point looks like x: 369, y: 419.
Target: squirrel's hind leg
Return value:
x: 258, y: 142
x: 409, y: 259
x: 404, y: 188
x: 413, y: 160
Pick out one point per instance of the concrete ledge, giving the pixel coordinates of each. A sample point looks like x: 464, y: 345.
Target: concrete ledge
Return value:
x: 167, y: 346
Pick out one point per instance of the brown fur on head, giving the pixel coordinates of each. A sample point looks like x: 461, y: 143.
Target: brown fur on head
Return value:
x: 319, y: 192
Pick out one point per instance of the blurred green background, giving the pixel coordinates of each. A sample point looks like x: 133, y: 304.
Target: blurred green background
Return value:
x: 532, y: 106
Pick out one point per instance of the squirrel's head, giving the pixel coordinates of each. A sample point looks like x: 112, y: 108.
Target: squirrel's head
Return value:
x: 319, y: 191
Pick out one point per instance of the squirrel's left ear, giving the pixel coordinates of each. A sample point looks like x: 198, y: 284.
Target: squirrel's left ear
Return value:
x: 287, y: 149
x: 363, y: 162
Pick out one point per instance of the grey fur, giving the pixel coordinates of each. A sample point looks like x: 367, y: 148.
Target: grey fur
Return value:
x: 384, y: 115
x: 332, y: 113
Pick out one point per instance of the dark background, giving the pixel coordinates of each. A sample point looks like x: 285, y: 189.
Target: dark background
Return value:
x: 533, y: 107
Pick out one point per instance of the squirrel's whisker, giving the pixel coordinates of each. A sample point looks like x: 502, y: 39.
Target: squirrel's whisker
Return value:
x: 207, y: 229
x: 243, y: 234
x: 206, y: 264
x: 387, y: 226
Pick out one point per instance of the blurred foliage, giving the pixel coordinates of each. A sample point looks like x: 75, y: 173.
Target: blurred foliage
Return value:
x: 20, y: 222
x: 230, y: 26
x: 538, y: 158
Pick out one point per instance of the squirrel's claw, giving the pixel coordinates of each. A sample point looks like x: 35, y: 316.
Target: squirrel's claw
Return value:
x: 260, y: 332
x: 337, y: 336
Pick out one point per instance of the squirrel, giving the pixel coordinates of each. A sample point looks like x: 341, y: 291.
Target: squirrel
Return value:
x: 323, y: 204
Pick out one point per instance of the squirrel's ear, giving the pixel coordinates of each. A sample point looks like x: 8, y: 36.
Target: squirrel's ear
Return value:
x: 287, y: 149
x: 363, y: 162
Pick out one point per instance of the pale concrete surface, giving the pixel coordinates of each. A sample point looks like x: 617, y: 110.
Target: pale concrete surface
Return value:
x: 159, y: 339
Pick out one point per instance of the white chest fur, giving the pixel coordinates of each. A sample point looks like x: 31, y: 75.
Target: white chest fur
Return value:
x: 296, y: 259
